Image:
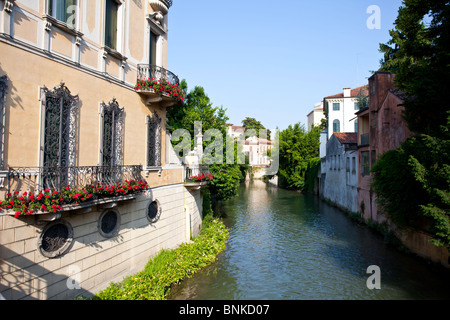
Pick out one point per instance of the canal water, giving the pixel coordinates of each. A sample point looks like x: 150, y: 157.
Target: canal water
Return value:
x: 287, y: 246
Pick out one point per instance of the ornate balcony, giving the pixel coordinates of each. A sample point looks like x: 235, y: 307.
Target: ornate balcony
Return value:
x: 197, y: 176
x: 162, y: 6
x: 44, y: 190
x: 158, y: 85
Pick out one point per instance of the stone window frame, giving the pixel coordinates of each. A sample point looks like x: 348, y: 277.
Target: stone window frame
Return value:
x: 3, y: 93
x: 115, y: 230
x: 118, y: 132
x: 153, y: 141
x: 63, y: 93
x: 64, y: 248
x: 158, y: 214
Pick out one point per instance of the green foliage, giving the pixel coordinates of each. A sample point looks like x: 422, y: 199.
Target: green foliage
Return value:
x: 226, y: 180
x: 171, y: 267
x: 412, y: 183
x: 418, y: 53
x: 297, y: 149
x: 198, y: 107
x: 253, y: 124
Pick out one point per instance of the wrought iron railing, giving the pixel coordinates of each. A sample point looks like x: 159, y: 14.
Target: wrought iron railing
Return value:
x: 168, y: 3
x: 36, y: 179
x: 364, y: 139
x: 147, y: 71
x: 195, y: 170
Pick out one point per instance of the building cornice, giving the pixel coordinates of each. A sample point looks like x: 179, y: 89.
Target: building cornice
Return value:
x: 5, y: 38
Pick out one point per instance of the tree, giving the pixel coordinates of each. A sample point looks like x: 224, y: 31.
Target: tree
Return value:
x: 198, y: 107
x: 251, y: 123
x: 419, y: 54
x: 297, y: 149
x: 412, y: 183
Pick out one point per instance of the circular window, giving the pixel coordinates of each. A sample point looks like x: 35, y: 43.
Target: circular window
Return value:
x: 56, y: 239
x: 153, y: 211
x: 108, y: 224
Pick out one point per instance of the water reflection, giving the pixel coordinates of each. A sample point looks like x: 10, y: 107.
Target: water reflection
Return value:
x: 285, y: 245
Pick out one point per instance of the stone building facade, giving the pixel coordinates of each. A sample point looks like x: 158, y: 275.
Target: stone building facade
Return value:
x: 72, y: 115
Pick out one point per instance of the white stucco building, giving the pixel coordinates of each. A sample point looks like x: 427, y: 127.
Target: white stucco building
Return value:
x: 339, y: 173
x: 315, y: 116
x: 340, y: 110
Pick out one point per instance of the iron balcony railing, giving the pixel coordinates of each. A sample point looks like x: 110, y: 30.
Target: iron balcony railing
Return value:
x: 36, y: 179
x: 168, y: 3
x: 364, y: 139
x: 146, y: 71
x: 195, y: 170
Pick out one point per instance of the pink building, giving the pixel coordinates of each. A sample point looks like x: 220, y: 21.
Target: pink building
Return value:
x: 380, y: 128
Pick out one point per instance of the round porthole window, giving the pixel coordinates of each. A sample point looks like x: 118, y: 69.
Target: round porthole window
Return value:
x: 56, y: 239
x: 153, y: 211
x: 108, y: 223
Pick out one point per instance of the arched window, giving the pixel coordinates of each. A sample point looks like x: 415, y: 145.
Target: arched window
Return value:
x: 336, y: 126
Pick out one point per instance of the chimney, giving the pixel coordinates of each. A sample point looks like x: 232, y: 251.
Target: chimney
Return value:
x: 347, y: 92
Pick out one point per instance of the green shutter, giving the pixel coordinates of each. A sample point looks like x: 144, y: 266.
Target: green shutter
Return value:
x: 111, y: 24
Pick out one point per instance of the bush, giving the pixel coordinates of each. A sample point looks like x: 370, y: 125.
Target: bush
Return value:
x: 170, y: 267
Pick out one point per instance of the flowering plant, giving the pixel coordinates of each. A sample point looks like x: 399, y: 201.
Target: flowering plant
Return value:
x: 161, y: 86
x: 201, y: 177
x: 53, y: 200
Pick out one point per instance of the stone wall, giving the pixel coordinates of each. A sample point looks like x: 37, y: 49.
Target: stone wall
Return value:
x: 93, y: 260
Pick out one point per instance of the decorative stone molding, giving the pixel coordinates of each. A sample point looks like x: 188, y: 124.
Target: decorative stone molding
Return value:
x: 9, y: 4
x: 159, y: 5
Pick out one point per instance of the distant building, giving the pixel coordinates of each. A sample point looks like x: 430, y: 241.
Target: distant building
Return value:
x: 339, y: 172
x: 256, y: 151
x: 235, y: 131
x: 315, y: 117
x: 340, y: 110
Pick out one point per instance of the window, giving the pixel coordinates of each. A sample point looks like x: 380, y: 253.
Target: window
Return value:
x: 58, y: 141
x: 365, y: 162
x: 63, y: 10
x: 336, y: 126
x: 111, y: 14
x: 353, y: 165
x: 153, y: 140
x: 3, y: 93
x: 347, y: 164
x: 109, y: 223
x: 56, y: 239
x: 356, y: 125
x: 153, y: 211
x: 356, y: 105
x: 153, y: 47
x: 336, y: 106
x: 112, y: 122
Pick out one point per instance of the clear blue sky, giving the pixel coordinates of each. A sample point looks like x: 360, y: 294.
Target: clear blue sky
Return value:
x: 273, y: 60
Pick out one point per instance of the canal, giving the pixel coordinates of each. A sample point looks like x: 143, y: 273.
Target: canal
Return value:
x: 287, y: 246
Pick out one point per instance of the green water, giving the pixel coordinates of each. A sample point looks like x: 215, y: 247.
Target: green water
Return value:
x: 284, y: 245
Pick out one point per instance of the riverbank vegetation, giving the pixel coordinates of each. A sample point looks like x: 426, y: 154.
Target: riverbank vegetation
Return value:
x: 412, y: 182
x: 299, y: 157
x: 197, y: 107
x: 170, y: 267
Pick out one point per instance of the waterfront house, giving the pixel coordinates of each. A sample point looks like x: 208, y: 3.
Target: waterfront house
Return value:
x: 340, y: 110
x: 80, y: 130
x: 339, y: 171
x: 381, y: 127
